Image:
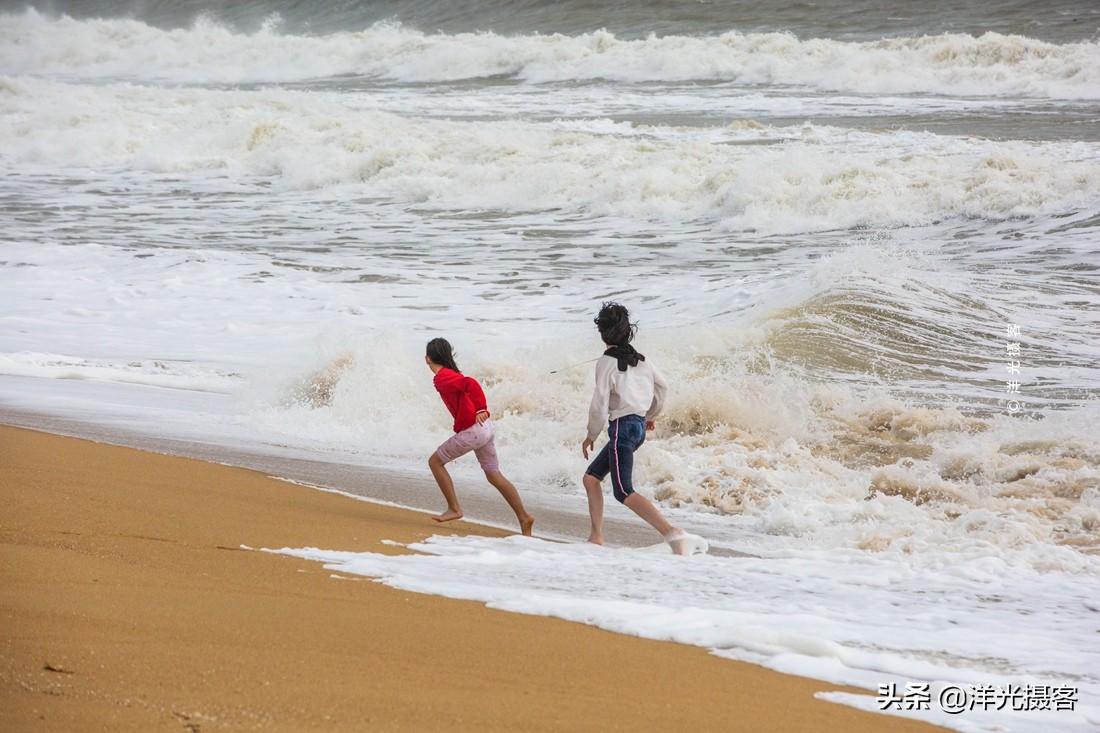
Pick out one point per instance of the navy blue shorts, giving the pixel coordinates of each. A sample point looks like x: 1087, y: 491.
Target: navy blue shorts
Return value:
x: 625, y: 435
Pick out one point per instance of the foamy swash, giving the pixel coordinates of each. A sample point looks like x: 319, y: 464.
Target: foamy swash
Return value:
x: 951, y: 625
x: 949, y: 64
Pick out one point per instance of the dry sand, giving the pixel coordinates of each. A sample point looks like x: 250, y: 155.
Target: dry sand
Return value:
x: 124, y: 605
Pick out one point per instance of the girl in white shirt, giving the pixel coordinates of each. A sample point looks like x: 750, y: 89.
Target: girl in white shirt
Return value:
x: 629, y: 396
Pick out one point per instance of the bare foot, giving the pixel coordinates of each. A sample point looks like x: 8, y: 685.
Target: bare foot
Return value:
x: 448, y: 515
x: 595, y: 539
x: 677, y: 540
x: 526, y: 524
x: 685, y: 543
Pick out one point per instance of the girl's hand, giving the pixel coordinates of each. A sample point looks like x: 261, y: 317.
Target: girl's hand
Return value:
x: 481, y: 416
x: 586, y: 446
x: 650, y: 425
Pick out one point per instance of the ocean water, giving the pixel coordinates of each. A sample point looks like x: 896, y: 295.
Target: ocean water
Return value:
x: 838, y: 226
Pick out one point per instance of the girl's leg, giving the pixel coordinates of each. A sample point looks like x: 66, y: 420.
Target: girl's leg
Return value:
x: 486, y: 454
x: 644, y: 508
x: 594, y: 489
x: 447, y: 486
x: 508, y: 490
x: 624, y: 441
x: 676, y: 538
x: 593, y: 486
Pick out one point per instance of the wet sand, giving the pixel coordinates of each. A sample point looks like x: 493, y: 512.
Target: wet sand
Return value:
x: 414, y: 488
x: 126, y: 604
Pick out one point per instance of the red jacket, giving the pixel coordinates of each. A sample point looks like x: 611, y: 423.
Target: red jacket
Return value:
x: 462, y: 395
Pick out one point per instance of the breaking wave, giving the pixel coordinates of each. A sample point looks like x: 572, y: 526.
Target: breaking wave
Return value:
x: 747, y: 437
x: 802, y: 178
x: 950, y: 64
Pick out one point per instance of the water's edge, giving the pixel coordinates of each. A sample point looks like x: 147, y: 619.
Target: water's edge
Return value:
x: 409, y: 490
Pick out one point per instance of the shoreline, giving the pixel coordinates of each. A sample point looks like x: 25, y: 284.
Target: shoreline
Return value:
x: 127, y: 604
x: 403, y: 489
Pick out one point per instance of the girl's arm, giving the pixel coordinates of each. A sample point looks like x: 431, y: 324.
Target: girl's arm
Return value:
x: 660, y: 390
x: 601, y: 399
x: 477, y: 396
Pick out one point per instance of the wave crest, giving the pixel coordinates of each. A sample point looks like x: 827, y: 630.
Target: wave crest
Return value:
x: 818, y: 178
x: 950, y: 64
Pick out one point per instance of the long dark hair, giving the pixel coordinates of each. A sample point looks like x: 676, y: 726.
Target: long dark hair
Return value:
x: 614, y: 324
x: 440, y: 351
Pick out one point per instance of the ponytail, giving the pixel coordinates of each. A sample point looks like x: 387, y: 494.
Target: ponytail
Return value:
x: 440, y: 352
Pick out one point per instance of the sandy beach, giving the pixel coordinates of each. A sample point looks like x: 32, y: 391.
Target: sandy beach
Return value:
x: 126, y: 604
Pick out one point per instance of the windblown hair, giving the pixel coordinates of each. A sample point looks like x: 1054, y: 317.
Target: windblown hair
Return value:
x: 440, y: 351
x: 614, y: 324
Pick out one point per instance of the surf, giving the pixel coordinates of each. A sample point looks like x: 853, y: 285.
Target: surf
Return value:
x: 209, y: 52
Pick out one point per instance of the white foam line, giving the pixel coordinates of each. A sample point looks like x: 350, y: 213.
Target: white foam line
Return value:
x: 775, y: 613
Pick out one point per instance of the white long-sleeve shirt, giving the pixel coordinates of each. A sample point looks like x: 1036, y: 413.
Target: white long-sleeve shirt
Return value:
x: 640, y: 390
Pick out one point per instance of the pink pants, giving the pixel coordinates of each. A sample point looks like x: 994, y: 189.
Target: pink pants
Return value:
x: 477, y: 438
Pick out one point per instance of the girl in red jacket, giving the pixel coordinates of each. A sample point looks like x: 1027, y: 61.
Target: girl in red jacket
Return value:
x: 473, y: 432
